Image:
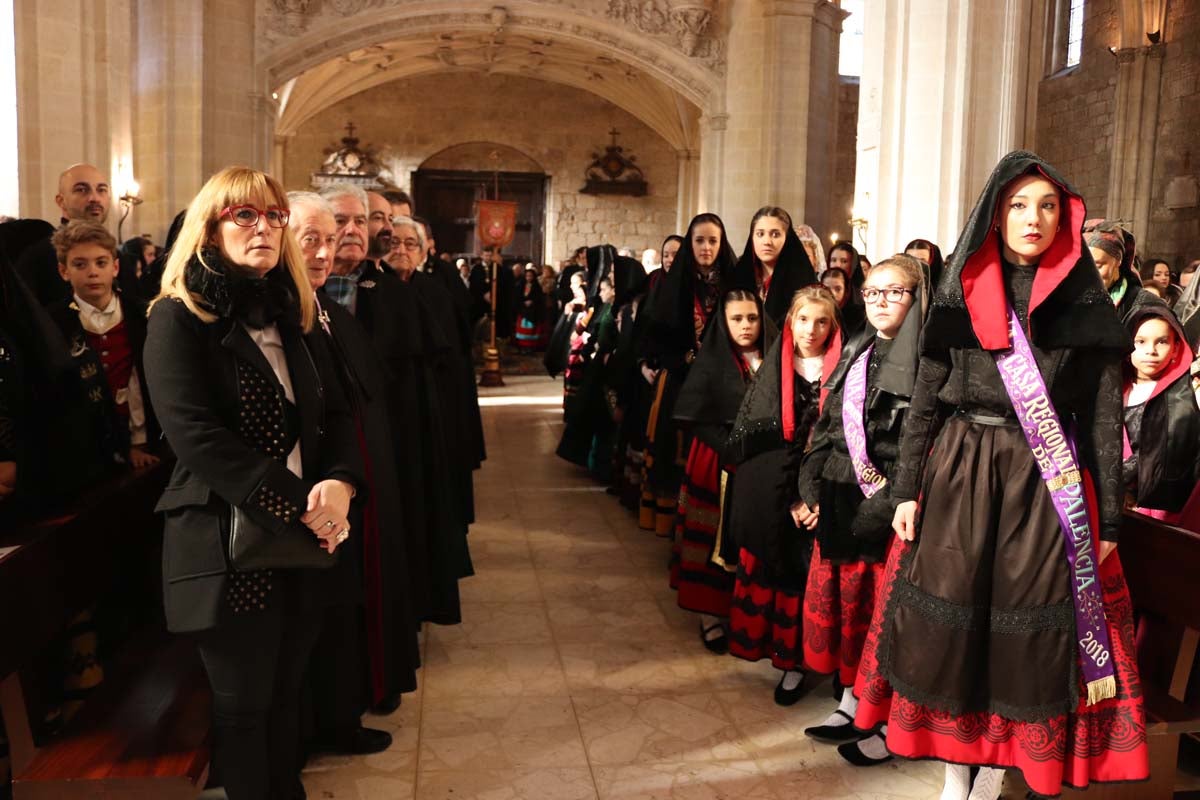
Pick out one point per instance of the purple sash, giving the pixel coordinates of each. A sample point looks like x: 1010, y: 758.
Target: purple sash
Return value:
x: 1054, y: 450
x: 854, y: 401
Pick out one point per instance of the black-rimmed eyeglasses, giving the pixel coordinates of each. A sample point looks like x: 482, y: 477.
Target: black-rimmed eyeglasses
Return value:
x: 893, y: 294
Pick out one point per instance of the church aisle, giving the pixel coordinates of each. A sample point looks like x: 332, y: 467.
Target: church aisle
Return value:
x: 576, y: 676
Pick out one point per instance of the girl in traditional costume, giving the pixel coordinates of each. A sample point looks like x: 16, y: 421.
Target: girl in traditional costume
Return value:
x: 1002, y: 636
x: 1162, y: 419
x: 844, y: 489
x: 708, y: 403
x: 531, y: 332
x: 763, y: 534
x: 684, y: 303
x: 774, y: 262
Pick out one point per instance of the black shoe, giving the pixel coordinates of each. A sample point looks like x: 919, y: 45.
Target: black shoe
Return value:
x: 387, y: 705
x: 835, y: 734
x: 365, y: 741
x: 717, y: 644
x: 789, y: 697
x: 851, y: 752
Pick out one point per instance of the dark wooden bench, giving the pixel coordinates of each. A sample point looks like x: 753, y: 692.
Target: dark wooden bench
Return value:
x: 144, y: 732
x: 1161, y: 566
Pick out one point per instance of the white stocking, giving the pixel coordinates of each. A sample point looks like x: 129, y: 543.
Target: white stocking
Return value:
x: 848, y: 706
x: 958, y: 782
x: 987, y: 784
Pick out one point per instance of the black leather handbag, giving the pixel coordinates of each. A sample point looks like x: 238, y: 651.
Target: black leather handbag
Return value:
x: 253, y: 546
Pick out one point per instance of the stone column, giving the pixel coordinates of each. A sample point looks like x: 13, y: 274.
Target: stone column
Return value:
x: 782, y: 100
x: 712, y: 163
x: 72, y: 94
x: 1135, y: 134
x: 687, y: 195
x: 945, y: 93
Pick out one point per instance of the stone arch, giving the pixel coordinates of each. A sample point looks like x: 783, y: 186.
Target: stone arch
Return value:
x: 477, y: 156
x: 311, y: 59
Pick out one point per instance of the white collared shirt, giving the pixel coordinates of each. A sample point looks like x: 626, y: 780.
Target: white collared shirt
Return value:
x: 99, y: 322
x: 271, y: 345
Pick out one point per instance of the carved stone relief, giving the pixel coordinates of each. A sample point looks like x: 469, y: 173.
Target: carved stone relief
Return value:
x: 686, y: 25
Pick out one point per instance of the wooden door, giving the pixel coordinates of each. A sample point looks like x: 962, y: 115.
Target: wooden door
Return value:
x: 447, y: 199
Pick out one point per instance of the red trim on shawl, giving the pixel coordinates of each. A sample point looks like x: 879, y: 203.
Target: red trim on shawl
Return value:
x: 833, y: 354
x: 787, y: 377
x: 787, y: 385
x: 1179, y: 365
x: 983, y: 276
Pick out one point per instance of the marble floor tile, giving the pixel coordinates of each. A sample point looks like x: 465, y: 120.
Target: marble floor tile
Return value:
x: 717, y: 780
x: 638, y: 729
x: 501, y: 585
x: 633, y: 667
x: 501, y: 733
x: 495, y: 670
x: 573, y: 783
x: 495, y: 623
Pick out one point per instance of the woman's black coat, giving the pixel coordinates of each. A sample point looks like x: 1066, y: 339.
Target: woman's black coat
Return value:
x: 192, y: 371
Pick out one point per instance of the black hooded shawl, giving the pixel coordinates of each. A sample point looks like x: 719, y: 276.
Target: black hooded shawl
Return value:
x: 1064, y: 307
x: 851, y: 528
x: 793, y: 270
x: 764, y: 448
x: 933, y: 270
x: 1164, y: 431
x: 1069, y: 302
x: 672, y: 332
x: 716, y: 384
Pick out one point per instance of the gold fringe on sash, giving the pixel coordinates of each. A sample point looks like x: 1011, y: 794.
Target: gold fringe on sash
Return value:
x: 1103, y: 689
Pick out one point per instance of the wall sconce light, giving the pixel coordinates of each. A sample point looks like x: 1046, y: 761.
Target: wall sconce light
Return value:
x: 859, y: 225
x: 1154, y: 18
x: 130, y: 197
x: 833, y: 238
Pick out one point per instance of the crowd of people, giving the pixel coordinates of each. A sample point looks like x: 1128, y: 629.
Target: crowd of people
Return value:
x: 302, y: 364
x: 908, y: 475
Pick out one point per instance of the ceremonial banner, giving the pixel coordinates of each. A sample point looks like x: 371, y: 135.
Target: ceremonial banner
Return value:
x: 497, y: 222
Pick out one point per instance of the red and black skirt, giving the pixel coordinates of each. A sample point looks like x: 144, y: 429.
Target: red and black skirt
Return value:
x: 838, y: 603
x: 765, y: 620
x: 971, y: 655
x: 703, y: 586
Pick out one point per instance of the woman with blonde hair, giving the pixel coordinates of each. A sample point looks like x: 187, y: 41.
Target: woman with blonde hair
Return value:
x: 266, y: 455
x: 765, y: 533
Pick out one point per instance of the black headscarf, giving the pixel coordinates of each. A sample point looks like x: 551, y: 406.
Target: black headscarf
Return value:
x: 715, y: 385
x: 897, y: 374
x: 856, y: 271
x: 675, y: 300
x: 936, y: 262
x: 1068, y: 307
x: 792, y: 271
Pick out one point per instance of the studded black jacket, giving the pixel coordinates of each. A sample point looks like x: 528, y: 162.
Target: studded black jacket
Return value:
x: 217, y: 401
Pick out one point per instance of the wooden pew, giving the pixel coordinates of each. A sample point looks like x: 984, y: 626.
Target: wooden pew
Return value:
x: 1161, y: 564
x: 144, y: 733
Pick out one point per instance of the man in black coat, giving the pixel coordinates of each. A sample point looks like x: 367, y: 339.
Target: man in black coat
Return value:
x: 388, y: 309
x: 373, y: 636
